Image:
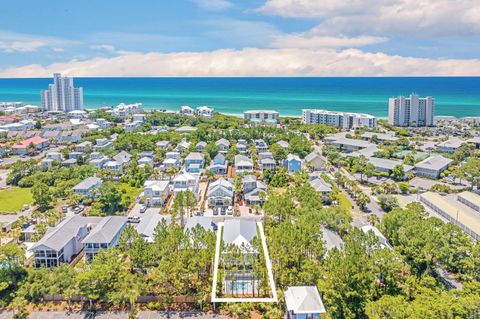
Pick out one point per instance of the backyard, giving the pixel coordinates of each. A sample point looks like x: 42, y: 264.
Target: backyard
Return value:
x: 13, y: 199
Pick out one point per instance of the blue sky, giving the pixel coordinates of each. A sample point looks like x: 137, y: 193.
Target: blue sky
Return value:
x: 248, y: 37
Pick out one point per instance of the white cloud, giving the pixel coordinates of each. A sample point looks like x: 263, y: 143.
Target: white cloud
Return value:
x: 304, y: 41
x: 11, y: 42
x: 213, y: 5
x: 387, y: 17
x: 254, y: 62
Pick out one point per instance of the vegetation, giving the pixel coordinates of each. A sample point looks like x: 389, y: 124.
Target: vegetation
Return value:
x: 13, y: 199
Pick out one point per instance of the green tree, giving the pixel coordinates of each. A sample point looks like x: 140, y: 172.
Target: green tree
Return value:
x: 42, y: 196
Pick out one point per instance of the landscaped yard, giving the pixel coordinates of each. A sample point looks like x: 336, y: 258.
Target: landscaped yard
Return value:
x: 344, y: 202
x: 13, y: 199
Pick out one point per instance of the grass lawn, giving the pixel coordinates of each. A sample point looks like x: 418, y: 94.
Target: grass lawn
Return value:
x: 344, y: 202
x: 13, y: 199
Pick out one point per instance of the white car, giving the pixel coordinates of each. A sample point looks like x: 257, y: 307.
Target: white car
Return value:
x: 230, y: 210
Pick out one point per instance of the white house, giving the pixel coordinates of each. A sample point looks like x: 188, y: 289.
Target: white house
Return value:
x: 185, y: 181
x: 223, y: 145
x: 220, y: 193
x: 187, y: 110
x: 303, y: 302
x: 243, y: 164
x: 156, y: 192
x: 204, y: 111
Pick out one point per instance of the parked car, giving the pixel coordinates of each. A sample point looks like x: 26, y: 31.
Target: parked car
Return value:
x: 143, y: 209
x: 65, y: 208
x: 134, y: 219
x: 215, y: 210
x: 222, y: 210
x: 78, y: 209
x: 230, y: 210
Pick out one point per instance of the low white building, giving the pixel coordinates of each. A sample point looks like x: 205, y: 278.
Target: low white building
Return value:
x: 432, y: 166
x: 450, y: 145
x: 261, y: 116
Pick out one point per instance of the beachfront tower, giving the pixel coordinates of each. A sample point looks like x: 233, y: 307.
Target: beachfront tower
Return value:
x: 61, y: 96
x: 412, y: 111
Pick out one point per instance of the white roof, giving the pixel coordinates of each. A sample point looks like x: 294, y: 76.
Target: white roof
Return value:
x: 158, y: 186
x: 453, y: 142
x: 303, y: 300
x: 434, y: 162
x: 239, y: 231
x: 383, y: 240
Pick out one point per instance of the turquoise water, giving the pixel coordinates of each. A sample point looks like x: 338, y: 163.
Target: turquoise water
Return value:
x: 458, y: 96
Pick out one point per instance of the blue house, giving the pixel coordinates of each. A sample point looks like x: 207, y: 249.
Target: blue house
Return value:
x: 194, y: 162
x: 293, y: 163
x: 219, y: 165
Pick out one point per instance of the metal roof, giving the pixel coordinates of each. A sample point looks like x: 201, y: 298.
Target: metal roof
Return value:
x: 304, y: 299
x: 106, y: 230
x: 64, y: 232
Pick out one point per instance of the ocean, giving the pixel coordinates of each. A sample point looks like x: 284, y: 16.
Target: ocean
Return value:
x: 457, y: 96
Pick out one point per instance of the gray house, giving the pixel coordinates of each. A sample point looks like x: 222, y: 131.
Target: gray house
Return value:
x: 104, y: 235
x: 88, y: 186
x: 61, y: 243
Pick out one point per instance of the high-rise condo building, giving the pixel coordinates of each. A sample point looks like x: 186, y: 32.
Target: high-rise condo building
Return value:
x: 61, y: 96
x: 342, y: 120
x: 412, y: 111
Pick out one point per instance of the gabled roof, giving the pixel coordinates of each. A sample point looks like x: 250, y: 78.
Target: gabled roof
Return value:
x: 303, y: 300
x: 87, y: 183
x: 320, y: 185
x: 292, y: 157
x: 222, y: 141
x: 158, y: 186
x: 148, y: 223
x: 122, y: 157
x: 195, y: 156
x: 310, y: 157
x: 184, y: 177
x: 60, y: 235
x: 106, y: 230
x: 242, y: 160
x: 239, y: 231
x: 205, y: 222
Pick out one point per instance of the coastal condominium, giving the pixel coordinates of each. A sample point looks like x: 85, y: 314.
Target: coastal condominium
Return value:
x: 342, y: 120
x: 261, y: 116
x: 412, y: 111
x: 61, y: 96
